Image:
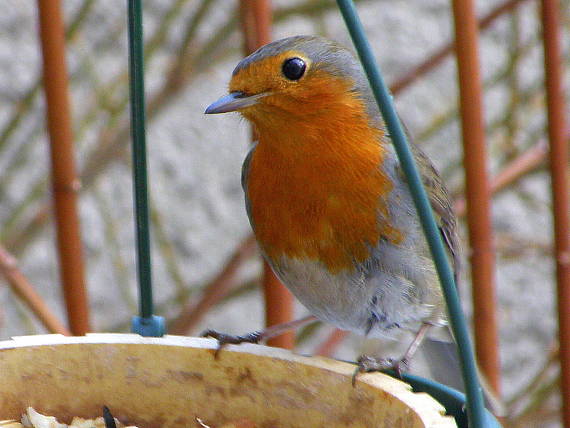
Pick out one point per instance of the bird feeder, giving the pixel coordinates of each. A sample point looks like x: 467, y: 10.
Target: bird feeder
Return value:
x: 174, y: 381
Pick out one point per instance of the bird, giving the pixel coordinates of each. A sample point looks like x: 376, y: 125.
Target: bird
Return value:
x: 328, y: 201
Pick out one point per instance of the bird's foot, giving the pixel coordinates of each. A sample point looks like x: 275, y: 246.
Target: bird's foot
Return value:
x: 229, y: 339
x: 366, y: 364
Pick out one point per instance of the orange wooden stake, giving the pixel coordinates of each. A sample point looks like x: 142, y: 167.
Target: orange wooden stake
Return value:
x: 559, y: 158
x: 65, y: 183
x: 477, y: 189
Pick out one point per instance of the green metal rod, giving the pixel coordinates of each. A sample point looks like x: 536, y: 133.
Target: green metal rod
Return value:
x: 475, y: 407
x: 136, y: 68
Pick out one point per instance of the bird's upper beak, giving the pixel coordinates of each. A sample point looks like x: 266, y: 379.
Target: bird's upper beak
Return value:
x: 234, y: 102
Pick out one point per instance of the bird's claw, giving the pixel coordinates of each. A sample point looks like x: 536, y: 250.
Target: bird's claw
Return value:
x: 229, y: 339
x: 366, y: 364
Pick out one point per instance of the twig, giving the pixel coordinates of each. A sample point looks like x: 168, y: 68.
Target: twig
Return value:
x: 540, y: 396
x: 22, y: 107
x: 193, y: 312
x: 514, y: 170
x: 167, y: 250
x: 451, y: 112
x: 539, y: 378
x: 164, y: 308
x: 513, y: 247
x: 20, y: 285
x: 112, y: 246
x: 511, y: 123
x: 435, y: 58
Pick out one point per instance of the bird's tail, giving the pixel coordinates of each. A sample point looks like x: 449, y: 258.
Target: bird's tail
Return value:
x: 445, y: 368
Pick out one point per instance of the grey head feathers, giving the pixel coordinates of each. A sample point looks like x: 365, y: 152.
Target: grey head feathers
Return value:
x: 325, y: 55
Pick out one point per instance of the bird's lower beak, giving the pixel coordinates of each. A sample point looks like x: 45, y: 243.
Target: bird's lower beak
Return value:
x: 234, y: 102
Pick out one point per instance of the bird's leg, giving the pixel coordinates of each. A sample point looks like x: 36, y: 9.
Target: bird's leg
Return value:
x: 366, y: 363
x: 412, y: 349
x: 256, y: 336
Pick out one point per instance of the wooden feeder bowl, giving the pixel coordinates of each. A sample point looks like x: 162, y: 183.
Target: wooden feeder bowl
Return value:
x: 170, y: 381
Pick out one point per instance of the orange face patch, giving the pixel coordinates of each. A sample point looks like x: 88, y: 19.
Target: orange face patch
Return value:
x: 315, y: 185
x: 265, y: 75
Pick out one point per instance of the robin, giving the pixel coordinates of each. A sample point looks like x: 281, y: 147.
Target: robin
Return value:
x: 327, y: 198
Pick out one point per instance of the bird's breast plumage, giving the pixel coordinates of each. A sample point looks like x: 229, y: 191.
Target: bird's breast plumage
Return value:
x: 322, y: 202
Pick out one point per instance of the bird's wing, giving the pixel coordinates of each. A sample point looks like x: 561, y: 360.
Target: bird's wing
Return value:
x: 245, y: 174
x: 440, y: 203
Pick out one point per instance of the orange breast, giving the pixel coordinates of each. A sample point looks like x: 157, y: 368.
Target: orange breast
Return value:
x: 316, y: 192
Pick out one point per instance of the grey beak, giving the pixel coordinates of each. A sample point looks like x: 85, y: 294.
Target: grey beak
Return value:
x: 233, y: 102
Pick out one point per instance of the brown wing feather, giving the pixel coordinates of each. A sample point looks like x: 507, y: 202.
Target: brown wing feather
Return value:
x: 441, y: 205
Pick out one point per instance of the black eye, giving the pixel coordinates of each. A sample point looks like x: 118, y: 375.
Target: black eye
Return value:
x: 294, y: 68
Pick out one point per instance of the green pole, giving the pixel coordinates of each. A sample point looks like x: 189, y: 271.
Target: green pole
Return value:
x: 146, y: 324
x: 475, y: 407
